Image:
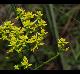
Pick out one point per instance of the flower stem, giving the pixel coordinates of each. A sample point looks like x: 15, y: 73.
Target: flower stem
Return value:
x: 47, y: 61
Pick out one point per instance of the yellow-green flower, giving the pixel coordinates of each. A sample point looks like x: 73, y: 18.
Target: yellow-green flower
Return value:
x: 25, y: 63
x: 61, y: 44
x: 16, y: 67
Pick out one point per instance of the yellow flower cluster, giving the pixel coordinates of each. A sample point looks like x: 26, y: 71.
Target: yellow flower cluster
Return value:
x: 28, y: 37
x: 33, y: 27
x: 62, y: 43
x: 24, y: 64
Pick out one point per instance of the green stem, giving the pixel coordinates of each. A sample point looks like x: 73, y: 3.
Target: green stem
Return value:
x: 54, y: 20
x: 54, y: 23
x: 63, y: 63
x: 47, y: 61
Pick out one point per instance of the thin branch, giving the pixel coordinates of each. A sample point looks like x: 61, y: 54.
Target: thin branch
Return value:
x: 47, y: 61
